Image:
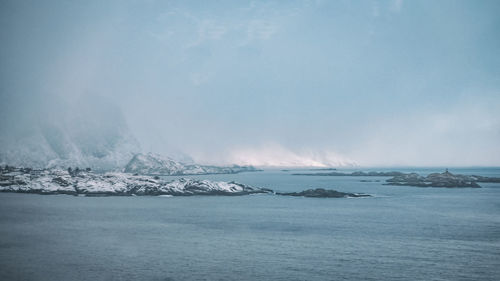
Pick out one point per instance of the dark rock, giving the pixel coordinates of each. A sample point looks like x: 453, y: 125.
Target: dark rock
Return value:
x: 322, y: 193
x: 445, y: 179
x: 485, y: 179
x: 60, y: 181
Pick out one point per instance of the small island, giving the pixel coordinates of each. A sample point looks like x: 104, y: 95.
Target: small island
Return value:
x: 322, y: 193
x: 445, y: 179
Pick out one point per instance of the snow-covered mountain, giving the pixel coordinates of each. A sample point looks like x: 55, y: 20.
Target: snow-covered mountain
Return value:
x: 154, y: 164
x: 87, y: 132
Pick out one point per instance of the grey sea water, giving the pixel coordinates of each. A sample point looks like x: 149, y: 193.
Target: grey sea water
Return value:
x: 402, y: 233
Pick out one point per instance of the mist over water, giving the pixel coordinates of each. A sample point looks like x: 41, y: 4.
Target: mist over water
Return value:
x: 264, y: 83
x: 291, y: 87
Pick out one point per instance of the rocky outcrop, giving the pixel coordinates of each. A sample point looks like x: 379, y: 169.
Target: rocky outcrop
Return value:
x: 322, y: 193
x: 153, y: 164
x: 85, y: 182
x: 445, y: 179
x: 485, y: 179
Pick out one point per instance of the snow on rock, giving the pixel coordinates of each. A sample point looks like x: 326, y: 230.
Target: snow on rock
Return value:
x: 89, y: 131
x: 54, y: 181
x: 154, y: 164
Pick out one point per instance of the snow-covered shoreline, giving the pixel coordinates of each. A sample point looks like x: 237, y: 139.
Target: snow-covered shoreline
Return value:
x: 83, y: 182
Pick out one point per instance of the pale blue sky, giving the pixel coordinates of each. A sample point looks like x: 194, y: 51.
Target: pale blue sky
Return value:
x: 270, y: 82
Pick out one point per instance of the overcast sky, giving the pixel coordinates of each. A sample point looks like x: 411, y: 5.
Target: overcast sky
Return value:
x: 269, y: 82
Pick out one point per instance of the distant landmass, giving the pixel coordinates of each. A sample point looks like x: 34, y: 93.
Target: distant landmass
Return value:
x: 322, y: 193
x: 87, y: 183
x: 354, y: 174
x: 154, y: 164
x: 445, y: 179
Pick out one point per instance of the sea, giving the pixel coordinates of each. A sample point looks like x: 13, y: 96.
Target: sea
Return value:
x: 400, y: 233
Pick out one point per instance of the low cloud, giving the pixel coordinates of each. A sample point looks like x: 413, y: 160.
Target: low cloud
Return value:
x: 275, y: 155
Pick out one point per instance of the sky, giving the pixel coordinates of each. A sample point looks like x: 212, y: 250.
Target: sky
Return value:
x: 273, y: 83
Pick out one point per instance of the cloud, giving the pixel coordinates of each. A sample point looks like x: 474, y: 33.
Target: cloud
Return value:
x: 258, y: 29
x: 396, y: 6
x: 199, y: 78
x: 375, y: 9
x: 274, y: 154
x: 464, y: 133
x: 218, y: 80
x: 246, y: 25
x: 209, y: 30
